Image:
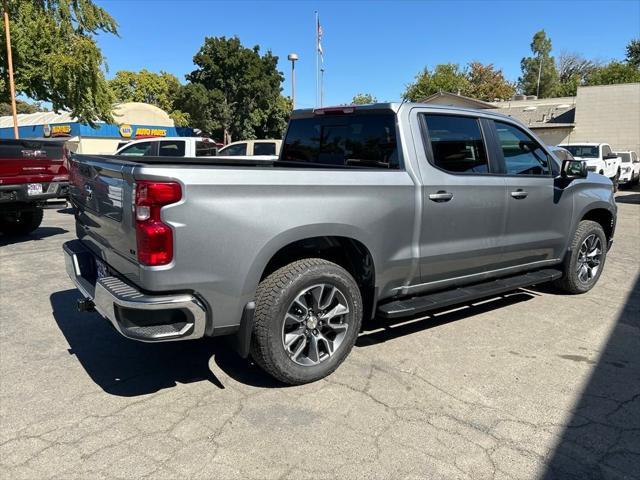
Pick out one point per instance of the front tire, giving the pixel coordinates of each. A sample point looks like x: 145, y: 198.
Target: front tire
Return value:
x: 308, y: 315
x: 586, y: 259
x: 22, y: 224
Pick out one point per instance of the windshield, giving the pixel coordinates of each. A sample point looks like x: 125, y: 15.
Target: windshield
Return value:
x: 584, y: 151
x: 626, y: 157
x: 348, y: 140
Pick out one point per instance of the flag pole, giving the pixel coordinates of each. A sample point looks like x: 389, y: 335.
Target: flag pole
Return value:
x: 317, y: 56
x: 12, y: 87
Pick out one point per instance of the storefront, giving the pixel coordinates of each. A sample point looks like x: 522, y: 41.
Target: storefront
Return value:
x: 134, y: 121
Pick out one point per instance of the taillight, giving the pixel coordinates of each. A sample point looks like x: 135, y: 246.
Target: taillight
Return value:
x: 154, y: 238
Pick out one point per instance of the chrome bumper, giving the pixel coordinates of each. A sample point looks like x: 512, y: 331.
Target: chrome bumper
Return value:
x: 136, y: 315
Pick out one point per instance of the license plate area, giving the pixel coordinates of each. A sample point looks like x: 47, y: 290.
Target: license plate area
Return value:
x: 34, y: 189
x: 101, y: 270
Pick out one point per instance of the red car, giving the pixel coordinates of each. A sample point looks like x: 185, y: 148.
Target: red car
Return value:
x: 31, y: 171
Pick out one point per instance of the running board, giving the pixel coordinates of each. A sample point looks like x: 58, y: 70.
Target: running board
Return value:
x: 416, y: 305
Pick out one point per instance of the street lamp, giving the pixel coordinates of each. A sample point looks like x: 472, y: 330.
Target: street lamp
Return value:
x: 293, y: 57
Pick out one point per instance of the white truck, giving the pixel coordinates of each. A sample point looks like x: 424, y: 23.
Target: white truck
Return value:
x: 599, y: 158
x: 169, y: 147
x: 630, y: 168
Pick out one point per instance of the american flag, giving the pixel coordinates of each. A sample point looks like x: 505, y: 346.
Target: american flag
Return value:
x: 320, y: 32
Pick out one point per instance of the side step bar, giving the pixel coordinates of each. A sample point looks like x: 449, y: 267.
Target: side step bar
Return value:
x: 416, y: 305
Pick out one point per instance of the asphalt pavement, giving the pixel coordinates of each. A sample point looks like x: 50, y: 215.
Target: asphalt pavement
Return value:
x: 531, y: 385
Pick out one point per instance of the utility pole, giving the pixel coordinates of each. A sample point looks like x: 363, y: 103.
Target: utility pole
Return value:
x: 12, y: 86
x: 292, y: 58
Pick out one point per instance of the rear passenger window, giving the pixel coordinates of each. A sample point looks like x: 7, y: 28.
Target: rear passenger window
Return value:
x: 457, y: 144
x: 206, y: 149
x: 171, y: 148
x: 264, y: 148
x: 522, y: 154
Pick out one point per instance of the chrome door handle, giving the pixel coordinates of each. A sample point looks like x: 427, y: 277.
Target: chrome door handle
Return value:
x: 440, y: 196
x: 518, y: 194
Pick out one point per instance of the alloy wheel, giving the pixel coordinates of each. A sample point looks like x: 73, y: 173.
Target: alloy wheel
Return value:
x: 589, y: 258
x: 315, y: 324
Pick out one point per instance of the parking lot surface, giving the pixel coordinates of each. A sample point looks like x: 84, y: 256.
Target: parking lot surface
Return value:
x: 527, y: 385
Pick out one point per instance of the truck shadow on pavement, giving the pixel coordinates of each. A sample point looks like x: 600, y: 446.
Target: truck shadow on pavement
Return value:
x: 128, y: 368
x: 38, y: 234
x: 602, y: 437
x: 633, y: 199
x: 380, y: 330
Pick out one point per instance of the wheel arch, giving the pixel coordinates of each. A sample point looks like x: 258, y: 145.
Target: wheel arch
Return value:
x: 342, y: 246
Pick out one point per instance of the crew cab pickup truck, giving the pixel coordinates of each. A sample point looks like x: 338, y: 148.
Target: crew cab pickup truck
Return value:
x: 599, y: 158
x: 385, y: 211
x: 31, y: 172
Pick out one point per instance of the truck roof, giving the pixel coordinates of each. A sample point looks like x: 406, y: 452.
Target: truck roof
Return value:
x: 587, y: 144
x: 395, y: 107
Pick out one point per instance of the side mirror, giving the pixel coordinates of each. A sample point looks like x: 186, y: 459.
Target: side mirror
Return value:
x: 573, y: 169
x: 610, y: 156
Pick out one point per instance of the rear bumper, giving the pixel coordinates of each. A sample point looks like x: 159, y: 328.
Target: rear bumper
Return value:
x: 136, y: 315
x: 19, y: 192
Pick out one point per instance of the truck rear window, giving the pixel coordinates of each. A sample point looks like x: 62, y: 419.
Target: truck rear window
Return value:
x: 12, y: 149
x: 350, y: 140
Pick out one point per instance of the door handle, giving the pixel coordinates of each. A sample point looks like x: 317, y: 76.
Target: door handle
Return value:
x: 440, y: 196
x: 518, y: 194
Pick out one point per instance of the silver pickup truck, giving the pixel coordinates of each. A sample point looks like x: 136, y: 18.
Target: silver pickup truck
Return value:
x: 387, y: 211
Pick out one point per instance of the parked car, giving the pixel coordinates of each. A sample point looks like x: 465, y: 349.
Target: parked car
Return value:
x: 390, y: 210
x: 169, y: 147
x: 31, y: 172
x: 599, y: 158
x: 251, y: 148
x: 630, y: 167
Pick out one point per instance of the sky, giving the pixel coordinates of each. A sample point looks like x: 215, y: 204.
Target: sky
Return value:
x: 370, y: 46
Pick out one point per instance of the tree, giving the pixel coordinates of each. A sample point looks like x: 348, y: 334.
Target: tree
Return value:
x: 56, y: 58
x: 633, y: 53
x: 159, y: 89
x: 573, y: 71
x: 541, y: 65
x: 614, y: 72
x: 363, y: 99
x: 235, y: 91
x: 21, y: 107
x: 447, y: 77
x: 488, y: 84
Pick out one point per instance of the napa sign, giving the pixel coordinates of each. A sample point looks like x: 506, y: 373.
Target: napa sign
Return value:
x: 128, y: 131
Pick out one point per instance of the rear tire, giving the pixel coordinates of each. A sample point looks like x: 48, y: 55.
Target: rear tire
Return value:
x: 22, y: 224
x: 585, y: 260
x: 308, y: 315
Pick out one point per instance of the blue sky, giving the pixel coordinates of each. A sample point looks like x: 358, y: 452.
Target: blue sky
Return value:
x: 370, y: 46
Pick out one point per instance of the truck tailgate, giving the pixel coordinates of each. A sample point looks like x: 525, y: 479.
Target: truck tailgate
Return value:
x: 102, y: 194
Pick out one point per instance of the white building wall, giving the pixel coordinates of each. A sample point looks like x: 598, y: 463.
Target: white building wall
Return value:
x: 609, y: 114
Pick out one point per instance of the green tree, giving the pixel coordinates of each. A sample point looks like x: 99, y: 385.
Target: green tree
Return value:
x: 633, y: 53
x: 235, y: 91
x: 486, y: 83
x: 447, y: 77
x: 21, y: 107
x: 614, y: 72
x: 363, y: 99
x: 56, y: 58
x: 540, y: 65
x: 159, y: 89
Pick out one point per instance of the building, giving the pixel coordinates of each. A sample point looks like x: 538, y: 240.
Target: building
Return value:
x: 456, y: 100
x: 131, y: 121
x: 604, y: 113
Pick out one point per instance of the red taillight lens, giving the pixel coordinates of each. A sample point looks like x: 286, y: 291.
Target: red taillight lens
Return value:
x: 154, y: 238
